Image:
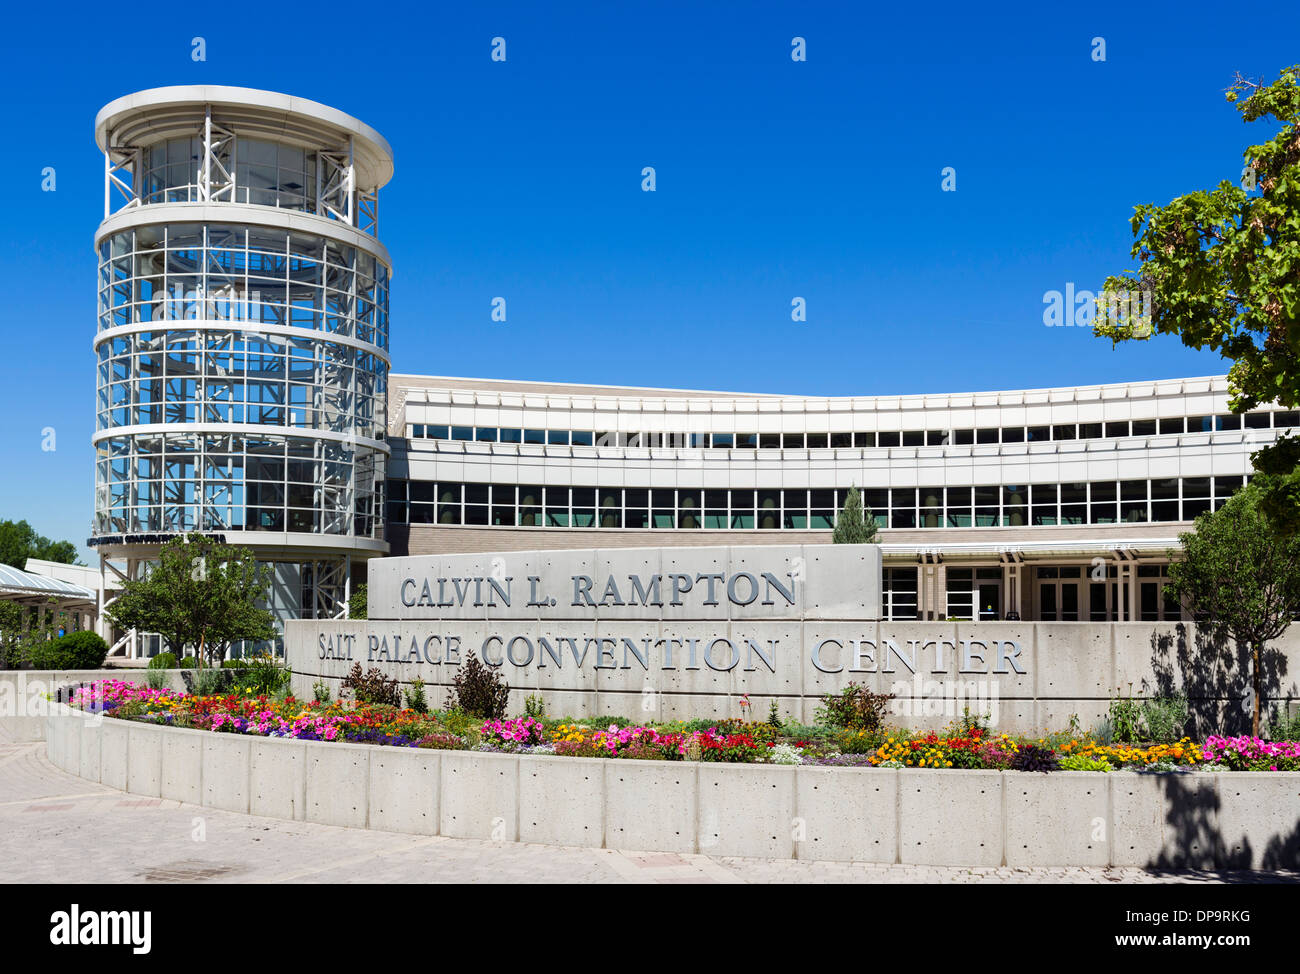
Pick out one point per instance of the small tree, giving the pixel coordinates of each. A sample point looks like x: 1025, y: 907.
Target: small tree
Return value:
x: 200, y: 593
x: 852, y: 526
x: 1242, y: 576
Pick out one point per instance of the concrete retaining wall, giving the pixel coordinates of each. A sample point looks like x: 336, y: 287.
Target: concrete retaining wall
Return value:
x: 988, y: 818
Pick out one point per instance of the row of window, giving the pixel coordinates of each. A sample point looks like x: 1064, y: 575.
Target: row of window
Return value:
x: 1099, y: 502
x: 190, y: 482
x: 215, y: 377
x: 176, y: 272
x: 1057, y: 593
x: 868, y: 439
x: 265, y: 173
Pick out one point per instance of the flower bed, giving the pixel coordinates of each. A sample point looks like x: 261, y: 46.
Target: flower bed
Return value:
x: 732, y: 741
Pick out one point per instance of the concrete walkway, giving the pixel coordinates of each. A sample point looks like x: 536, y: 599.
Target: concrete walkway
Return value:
x: 57, y: 828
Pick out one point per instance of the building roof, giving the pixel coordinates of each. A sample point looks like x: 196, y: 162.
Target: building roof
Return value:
x: 145, y: 117
x: 14, y: 582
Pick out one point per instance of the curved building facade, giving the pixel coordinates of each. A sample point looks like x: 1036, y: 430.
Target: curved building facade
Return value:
x: 242, y: 342
x: 1045, y: 504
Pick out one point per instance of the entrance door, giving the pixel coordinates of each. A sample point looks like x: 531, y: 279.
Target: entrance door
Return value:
x: 990, y: 600
x: 1058, y: 593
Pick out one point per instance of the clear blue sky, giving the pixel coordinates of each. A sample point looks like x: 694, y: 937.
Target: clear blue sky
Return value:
x: 775, y: 179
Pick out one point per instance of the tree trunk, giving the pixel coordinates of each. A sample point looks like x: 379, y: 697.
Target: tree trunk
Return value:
x: 1257, y: 680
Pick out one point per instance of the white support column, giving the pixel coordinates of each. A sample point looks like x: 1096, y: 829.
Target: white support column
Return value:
x: 205, y: 177
x: 352, y: 182
x: 1011, y: 587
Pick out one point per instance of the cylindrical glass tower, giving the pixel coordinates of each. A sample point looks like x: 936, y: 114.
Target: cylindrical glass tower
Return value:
x: 242, y: 344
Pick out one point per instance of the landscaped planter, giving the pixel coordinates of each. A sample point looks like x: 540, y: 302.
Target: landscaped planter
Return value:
x: 945, y: 817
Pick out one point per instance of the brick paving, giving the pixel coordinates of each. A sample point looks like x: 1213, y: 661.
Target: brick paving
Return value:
x: 55, y: 827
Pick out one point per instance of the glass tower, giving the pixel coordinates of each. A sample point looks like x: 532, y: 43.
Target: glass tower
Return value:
x: 242, y: 342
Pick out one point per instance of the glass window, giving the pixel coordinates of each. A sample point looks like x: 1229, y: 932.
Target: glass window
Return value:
x: 963, y: 437
x: 913, y: 438
x: 1037, y: 434
x: 1043, y: 503
x: 1090, y: 431
x: 958, y: 504
x: 887, y: 438
x: 1064, y: 431
x: 534, y: 436
x: 1104, y: 508
x: 583, y: 438
x: 864, y: 440
x: 986, y: 435
x: 792, y: 441
x: 1228, y: 422
x: 769, y: 441
x: 1117, y: 428
x: 511, y: 436
x: 841, y: 440
x: 746, y: 441
x: 931, y: 504
x: 1144, y: 427
x: 1013, y: 434
x: 1015, y: 506
x: 902, y: 507
x: 1170, y: 425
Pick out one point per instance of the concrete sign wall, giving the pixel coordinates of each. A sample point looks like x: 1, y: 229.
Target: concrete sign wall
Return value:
x: 682, y: 633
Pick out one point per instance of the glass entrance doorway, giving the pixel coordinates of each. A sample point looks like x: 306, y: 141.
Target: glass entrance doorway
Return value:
x: 1058, y: 591
x: 975, y: 593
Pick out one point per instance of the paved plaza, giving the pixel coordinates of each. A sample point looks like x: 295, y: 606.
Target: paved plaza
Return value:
x: 57, y: 828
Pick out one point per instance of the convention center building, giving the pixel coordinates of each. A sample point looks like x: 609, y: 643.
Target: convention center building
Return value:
x: 244, y: 391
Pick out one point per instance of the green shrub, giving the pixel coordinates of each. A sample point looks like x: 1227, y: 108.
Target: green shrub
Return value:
x: 359, y: 603
x: 1165, y: 718
x: 855, y: 707
x: 190, y: 663
x: 535, y: 707
x: 163, y: 661
x: 321, y: 691
x: 459, y: 722
x: 155, y: 678
x: 415, y: 699
x: 371, y: 686
x: 42, y: 655
x: 479, y: 690
x: 83, y: 650
x: 75, y: 651
x: 1284, y: 726
x: 261, y: 676
x: 1125, y: 718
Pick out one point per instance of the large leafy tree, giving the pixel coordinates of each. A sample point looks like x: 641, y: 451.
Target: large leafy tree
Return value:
x: 1220, y: 269
x: 1241, y: 577
x: 19, y: 541
x: 852, y: 525
x: 199, y: 593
